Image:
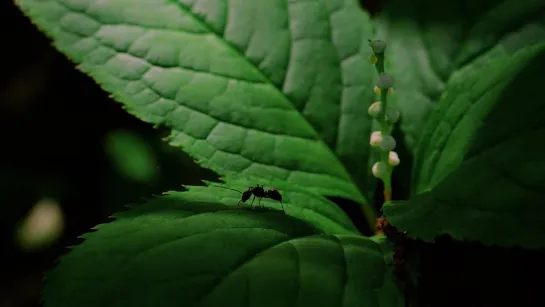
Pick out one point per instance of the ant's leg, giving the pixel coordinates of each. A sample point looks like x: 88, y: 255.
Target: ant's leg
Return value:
x: 252, y: 202
x: 259, y: 203
x: 281, y: 204
x: 239, y: 202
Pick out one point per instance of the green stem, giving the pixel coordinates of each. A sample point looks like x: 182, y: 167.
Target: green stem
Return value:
x: 385, y: 129
x: 380, y: 63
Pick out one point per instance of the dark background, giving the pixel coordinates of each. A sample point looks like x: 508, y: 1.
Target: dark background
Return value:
x: 53, y: 124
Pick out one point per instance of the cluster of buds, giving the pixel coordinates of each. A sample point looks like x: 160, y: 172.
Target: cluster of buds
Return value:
x: 386, y: 116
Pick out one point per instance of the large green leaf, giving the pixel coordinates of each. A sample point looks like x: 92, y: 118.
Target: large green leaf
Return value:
x: 429, y: 43
x: 482, y: 173
x: 247, y: 87
x: 184, y: 249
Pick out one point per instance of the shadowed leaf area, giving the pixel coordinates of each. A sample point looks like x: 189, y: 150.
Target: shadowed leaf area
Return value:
x: 431, y: 43
x: 153, y: 255
x: 481, y: 173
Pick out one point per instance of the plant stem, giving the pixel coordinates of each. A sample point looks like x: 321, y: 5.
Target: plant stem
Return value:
x: 385, y: 129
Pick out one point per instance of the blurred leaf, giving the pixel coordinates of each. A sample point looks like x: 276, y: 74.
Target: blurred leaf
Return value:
x: 429, y: 43
x: 481, y: 176
x: 131, y: 155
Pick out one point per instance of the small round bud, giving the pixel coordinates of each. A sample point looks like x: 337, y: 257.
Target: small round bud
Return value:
x: 373, y: 59
x: 387, y: 143
x: 378, y: 46
x: 379, y: 170
x: 392, y: 115
x: 393, y: 158
x: 376, y: 89
x: 376, y: 139
x: 385, y: 81
x: 374, y: 109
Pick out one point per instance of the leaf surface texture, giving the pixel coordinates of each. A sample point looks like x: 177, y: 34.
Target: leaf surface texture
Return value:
x: 247, y: 87
x: 153, y: 255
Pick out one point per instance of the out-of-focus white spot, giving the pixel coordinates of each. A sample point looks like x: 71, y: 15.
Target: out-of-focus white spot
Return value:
x: 42, y: 226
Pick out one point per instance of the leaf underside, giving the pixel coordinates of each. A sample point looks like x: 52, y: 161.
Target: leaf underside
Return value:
x: 482, y: 173
x: 153, y: 255
x: 247, y: 88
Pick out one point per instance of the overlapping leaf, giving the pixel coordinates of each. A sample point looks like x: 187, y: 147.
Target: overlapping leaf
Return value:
x: 482, y: 169
x: 247, y: 87
x: 429, y: 42
x: 153, y: 255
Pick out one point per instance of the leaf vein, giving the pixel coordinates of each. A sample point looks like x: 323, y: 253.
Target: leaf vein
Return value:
x: 241, y: 264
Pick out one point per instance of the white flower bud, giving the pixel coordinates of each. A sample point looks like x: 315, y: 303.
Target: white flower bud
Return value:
x: 376, y: 139
x: 379, y: 169
x: 392, y: 115
x: 387, y: 143
x: 393, y: 158
x: 375, y: 109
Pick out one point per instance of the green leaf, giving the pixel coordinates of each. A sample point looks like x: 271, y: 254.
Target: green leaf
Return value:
x: 177, y: 250
x: 429, y: 43
x: 297, y: 202
x: 247, y: 87
x: 482, y: 172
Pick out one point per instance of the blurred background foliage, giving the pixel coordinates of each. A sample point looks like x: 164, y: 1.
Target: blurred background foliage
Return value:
x: 70, y: 157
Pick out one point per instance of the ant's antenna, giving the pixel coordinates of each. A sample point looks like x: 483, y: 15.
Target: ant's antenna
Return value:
x: 217, y: 186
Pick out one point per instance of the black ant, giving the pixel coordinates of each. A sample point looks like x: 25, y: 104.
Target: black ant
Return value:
x: 259, y: 192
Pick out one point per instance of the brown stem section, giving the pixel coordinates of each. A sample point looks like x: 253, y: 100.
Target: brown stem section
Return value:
x: 387, y: 194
